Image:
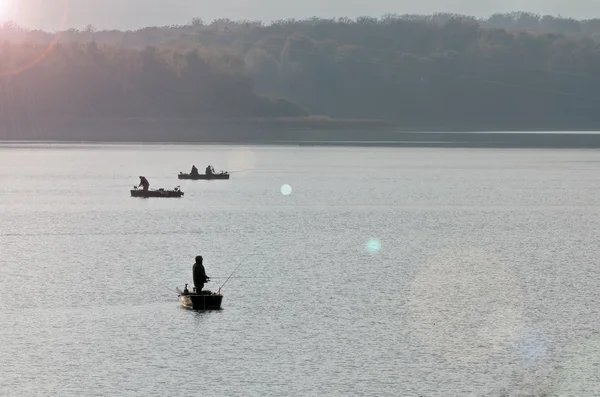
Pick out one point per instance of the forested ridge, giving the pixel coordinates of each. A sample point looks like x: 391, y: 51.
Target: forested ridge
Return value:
x: 517, y: 71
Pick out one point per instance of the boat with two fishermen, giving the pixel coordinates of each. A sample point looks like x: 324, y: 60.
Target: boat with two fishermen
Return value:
x: 209, y: 174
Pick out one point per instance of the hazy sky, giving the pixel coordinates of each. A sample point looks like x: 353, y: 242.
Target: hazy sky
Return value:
x: 132, y: 14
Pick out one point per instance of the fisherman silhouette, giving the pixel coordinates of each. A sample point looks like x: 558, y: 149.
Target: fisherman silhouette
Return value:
x: 199, y: 274
x: 144, y: 182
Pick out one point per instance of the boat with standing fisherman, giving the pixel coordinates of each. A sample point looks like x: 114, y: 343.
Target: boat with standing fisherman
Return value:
x: 200, y: 299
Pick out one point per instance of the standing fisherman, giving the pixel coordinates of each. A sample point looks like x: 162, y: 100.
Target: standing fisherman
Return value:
x: 199, y: 274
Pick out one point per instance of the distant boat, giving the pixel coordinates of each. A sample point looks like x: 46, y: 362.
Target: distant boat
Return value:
x: 221, y: 175
x: 204, y: 300
x: 156, y: 193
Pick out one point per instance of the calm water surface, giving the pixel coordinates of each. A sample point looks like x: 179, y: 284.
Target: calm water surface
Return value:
x: 385, y: 272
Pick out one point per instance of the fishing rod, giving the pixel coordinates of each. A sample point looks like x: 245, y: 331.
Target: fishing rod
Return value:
x: 172, y: 290
x: 238, y: 266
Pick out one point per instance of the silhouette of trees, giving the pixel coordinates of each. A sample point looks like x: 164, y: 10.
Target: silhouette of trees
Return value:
x: 516, y: 69
x: 94, y: 80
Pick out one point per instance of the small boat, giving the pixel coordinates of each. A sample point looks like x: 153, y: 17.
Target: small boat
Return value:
x: 195, y: 177
x: 203, y: 300
x: 156, y: 192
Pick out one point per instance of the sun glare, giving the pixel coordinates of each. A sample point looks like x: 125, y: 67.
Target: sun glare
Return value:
x: 6, y: 10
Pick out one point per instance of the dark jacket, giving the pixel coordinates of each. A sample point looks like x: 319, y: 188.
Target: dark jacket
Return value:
x: 144, y: 182
x: 199, y: 274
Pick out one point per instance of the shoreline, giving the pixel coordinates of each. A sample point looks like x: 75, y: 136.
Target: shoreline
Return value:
x: 532, y: 144
x: 312, y: 131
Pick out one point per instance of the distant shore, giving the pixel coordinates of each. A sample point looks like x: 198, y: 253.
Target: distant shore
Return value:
x: 310, y: 131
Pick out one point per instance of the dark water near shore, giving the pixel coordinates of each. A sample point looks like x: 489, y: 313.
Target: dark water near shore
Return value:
x: 430, y: 272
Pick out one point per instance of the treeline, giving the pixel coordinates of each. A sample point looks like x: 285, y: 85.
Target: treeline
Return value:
x: 223, y: 30
x: 441, y: 70
x: 89, y: 81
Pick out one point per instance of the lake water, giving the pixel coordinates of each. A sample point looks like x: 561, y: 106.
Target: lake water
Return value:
x: 384, y: 272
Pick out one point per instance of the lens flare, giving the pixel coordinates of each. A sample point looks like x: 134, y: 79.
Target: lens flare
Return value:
x: 8, y: 7
x: 467, y: 305
x: 532, y: 347
x: 241, y: 159
x: 286, y: 190
x: 6, y: 10
x: 373, y: 245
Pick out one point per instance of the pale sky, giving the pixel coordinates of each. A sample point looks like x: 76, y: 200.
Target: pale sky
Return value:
x: 133, y: 14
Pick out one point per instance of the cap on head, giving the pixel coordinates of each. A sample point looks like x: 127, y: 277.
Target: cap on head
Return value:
x: 198, y: 259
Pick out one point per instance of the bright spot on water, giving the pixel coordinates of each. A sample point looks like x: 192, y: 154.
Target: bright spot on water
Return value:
x: 240, y: 159
x: 468, y: 305
x: 286, y: 190
x: 373, y: 245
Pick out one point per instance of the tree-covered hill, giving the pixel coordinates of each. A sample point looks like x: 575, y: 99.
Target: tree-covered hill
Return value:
x: 509, y: 71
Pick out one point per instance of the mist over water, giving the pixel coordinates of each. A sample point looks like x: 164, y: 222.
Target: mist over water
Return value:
x: 370, y: 272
